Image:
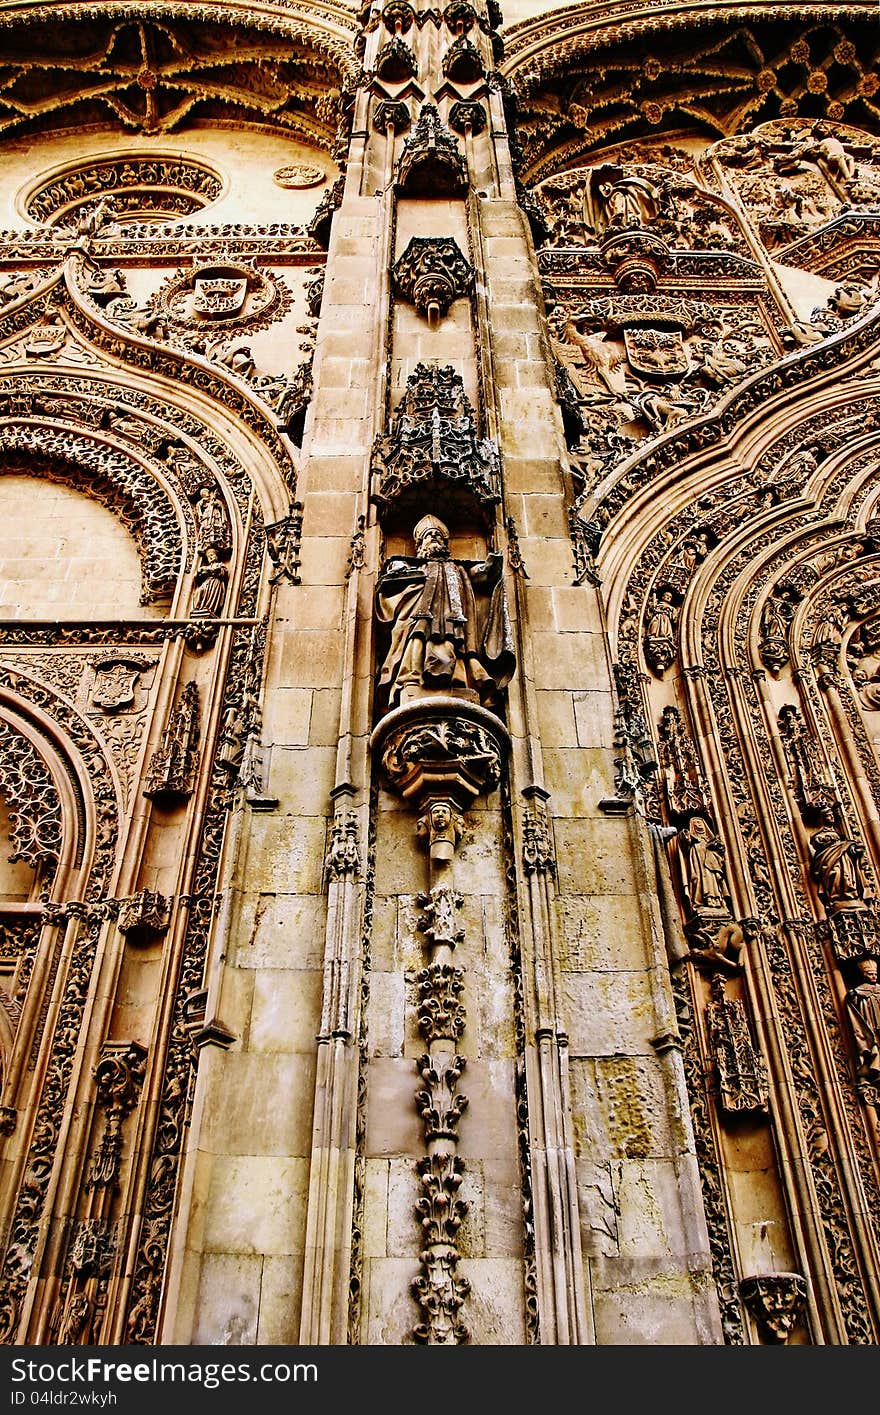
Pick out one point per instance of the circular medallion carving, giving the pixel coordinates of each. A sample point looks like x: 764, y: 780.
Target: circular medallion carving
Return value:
x: 220, y: 298
x: 299, y: 174
x: 161, y: 187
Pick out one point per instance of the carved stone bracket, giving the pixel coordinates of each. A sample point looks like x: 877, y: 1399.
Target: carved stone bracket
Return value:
x: 431, y: 274
x: 391, y: 113
x: 467, y: 116
x: 440, y: 747
x: 776, y: 1301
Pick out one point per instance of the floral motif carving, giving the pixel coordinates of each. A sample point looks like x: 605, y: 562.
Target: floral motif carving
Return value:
x: 118, y: 1079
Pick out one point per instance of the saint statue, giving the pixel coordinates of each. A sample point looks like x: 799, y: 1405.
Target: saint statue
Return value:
x: 704, y: 866
x: 863, y: 1002
x: 836, y: 867
x: 449, y: 626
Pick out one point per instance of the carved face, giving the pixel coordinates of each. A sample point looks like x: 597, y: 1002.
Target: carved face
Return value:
x: 432, y: 542
x: 441, y: 818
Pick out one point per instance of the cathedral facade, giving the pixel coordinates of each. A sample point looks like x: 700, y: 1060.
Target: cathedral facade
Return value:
x: 439, y: 702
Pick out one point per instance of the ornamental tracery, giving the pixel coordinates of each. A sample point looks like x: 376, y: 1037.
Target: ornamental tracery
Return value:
x: 283, y: 66
x: 581, y: 86
x: 31, y: 798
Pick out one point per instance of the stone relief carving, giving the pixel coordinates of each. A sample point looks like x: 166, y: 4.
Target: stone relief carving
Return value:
x: 794, y: 175
x: 115, y: 682
x: 433, y: 443
x: 159, y: 185
x: 777, y: 1301
x: 117, y: 481
x: 812, y: 790
x: 661, y: 628
x: 863, y: 1010
x: 284, y: 546
x: 432, y: 273
x: 213, y: 301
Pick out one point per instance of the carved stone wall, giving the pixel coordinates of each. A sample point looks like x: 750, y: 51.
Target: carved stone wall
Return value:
x: 439, y: 663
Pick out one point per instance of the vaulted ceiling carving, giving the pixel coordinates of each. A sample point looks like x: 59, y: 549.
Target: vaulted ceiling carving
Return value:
x: 156, y: 67
x: 582, y: 88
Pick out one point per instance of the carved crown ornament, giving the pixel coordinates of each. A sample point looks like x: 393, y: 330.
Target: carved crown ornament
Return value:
x: 214, y: 298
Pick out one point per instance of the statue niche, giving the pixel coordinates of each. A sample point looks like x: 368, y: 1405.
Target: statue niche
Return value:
x: 447, y: 629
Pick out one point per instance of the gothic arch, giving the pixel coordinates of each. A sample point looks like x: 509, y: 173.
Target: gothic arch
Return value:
x: 729, y: 616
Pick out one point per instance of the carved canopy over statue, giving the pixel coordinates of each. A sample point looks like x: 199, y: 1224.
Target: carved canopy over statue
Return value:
x: 449, y: 626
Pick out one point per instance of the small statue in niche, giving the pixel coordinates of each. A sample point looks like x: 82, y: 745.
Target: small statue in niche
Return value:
x: 214, y: 543
x: 450, y: 631
x: 660, y: 629
x: 716, y: 939
x: 837, y: 868
x: 622, y: 200
x: 863, y: 1004
x: 704, y: 866
x: 213, y: 526
x: 210, y: 586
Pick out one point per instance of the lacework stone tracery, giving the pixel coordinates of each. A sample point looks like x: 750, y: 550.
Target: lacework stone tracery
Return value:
x: 31, y: 798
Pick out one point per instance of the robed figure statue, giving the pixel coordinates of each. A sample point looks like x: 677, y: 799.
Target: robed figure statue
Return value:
x: 450, y: 630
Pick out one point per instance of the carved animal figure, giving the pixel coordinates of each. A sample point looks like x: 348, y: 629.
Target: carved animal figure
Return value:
x: 605, y: 362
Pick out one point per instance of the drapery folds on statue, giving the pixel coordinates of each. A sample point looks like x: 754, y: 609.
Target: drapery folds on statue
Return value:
x: 449, y: 625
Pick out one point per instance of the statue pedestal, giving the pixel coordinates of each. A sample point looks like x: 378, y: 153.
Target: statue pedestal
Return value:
x: 440, y: 746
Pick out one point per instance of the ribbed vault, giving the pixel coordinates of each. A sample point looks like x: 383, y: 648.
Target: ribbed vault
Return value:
x: 153, y: 67
x: 587, y: 80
